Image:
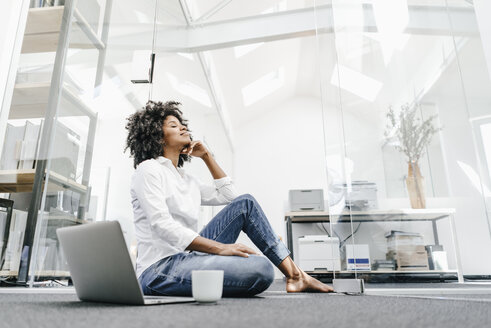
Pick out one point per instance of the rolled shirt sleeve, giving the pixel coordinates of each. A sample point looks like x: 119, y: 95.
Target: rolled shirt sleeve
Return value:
x: 152, y: 198
x: 223, y: 192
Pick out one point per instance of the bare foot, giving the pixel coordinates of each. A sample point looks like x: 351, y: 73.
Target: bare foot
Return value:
x: 305, y: 283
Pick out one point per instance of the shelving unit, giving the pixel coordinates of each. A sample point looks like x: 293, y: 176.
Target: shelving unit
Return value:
x: 12, y: 181
x: 43, y: 30
x: 391, y: 215
x: 53, y: 29
x: 30, y: 100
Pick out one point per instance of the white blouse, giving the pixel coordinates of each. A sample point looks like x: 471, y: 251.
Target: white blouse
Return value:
x: 166, y: 206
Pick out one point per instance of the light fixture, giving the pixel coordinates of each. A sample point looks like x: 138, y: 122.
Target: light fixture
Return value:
x: 139, y: 65
x: 140, y: 62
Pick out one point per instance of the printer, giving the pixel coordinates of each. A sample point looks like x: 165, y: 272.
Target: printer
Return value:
x: 319, y: 252
x: 306, y: 200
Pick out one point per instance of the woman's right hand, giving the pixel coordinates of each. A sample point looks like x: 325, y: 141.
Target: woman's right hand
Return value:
x: 235, y: 250
x: 209, y: 246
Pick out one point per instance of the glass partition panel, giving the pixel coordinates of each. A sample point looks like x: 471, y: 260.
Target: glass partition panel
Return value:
x: 258, y: 109
x: 343, y: 257
x: 122, y: 87
x: 189, y: 78
x: 401, y: 137
x: 362, y: 126
x: 58, y: 69
x: 468, y: 129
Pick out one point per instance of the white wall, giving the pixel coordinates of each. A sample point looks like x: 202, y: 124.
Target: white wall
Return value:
x: 460, y: 95
x: 483, y: 10
x: 281, y: 149
x: 108, y: 153
x: 467, y: 198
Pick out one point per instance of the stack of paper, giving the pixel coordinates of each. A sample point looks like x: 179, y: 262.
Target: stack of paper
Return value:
x: 408, y: 250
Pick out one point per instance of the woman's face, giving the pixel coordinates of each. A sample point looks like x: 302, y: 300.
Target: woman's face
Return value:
x: 175, y: 134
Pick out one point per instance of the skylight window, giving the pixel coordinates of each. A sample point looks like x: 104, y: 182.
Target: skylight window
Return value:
x: 392, y: 18
x: 186, y: 55
x: 142, y: 18
x: 244, y: 50
x: 263, y: 86
x: 474, y: 179
x: 356, y: 82
x: 190, y: 90
x: 279, y: 6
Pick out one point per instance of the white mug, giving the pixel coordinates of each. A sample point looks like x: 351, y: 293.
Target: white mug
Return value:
x: 207, y: 285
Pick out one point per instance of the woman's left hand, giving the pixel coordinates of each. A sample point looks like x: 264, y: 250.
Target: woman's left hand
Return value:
x: 195, y: 148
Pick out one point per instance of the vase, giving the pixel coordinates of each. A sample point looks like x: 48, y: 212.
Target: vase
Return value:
x: 415, y: 186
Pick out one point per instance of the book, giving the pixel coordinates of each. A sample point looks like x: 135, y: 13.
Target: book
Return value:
x: 12, y: 144
x: 16, y: 240
x: 29, y: 146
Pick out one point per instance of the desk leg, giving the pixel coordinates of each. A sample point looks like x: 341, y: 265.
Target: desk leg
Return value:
x: 289, y: 235
x: 435, y: 233
x: 460, y: 274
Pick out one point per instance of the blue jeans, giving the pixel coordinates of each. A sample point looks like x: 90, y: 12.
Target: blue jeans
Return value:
x: 243, y: 276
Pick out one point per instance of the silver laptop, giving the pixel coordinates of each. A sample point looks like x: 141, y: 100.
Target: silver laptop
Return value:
x: 101, y: 268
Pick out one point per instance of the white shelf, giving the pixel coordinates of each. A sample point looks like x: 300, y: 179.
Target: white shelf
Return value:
x: 63, y: 217
x: 387, y: 272
x: 23, y: 180
x: 43, y: 30
x: 30, y: 100
x: 44, y: 273
x: 406, y: 214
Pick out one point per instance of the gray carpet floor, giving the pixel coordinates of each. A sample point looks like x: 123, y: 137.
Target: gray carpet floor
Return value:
x: 273, y: 308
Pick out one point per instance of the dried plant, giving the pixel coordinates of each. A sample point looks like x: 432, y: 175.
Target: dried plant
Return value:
x: 412, y: 133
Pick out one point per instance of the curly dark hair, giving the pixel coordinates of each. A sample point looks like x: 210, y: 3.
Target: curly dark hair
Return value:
x: 145, y: 135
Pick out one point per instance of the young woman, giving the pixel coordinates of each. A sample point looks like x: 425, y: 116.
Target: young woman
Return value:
x: 166, y: 204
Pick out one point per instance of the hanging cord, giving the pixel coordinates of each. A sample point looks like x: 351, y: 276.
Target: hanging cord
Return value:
x: 150, y: 88
x: 351, y: 235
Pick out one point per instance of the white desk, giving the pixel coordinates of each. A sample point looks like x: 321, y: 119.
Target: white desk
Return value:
x: 432, y: 215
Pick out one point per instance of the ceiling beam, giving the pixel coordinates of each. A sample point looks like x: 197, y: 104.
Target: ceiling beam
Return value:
x: 425, y: 20
x: 431, y: 20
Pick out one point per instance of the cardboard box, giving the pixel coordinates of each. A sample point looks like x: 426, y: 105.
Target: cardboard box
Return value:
x: 410, y: 260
